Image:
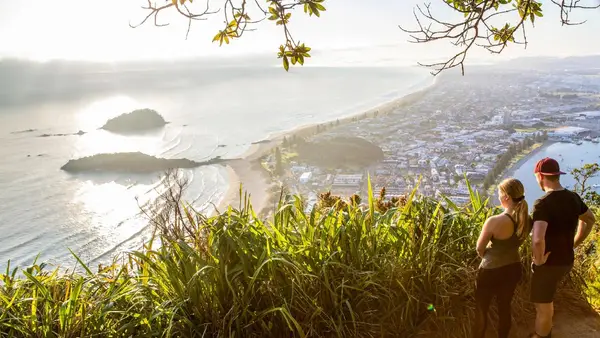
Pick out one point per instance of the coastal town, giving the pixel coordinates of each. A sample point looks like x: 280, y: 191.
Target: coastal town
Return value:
x: 462, y: 129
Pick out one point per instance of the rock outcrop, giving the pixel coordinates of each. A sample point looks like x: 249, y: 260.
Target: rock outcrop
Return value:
x: 79, y: 133
x: 136, y: 121
x: 132, y: 163
x: 126, y: 162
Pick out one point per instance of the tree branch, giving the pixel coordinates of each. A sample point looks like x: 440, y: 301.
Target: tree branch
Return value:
x: 476, y: 28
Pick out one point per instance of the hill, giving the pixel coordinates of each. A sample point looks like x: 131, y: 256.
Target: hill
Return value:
x: 340, y: 151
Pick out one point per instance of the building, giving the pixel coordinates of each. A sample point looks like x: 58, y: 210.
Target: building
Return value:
x: 348, y: 181
x: 305, y: 177
x: 507, y: 118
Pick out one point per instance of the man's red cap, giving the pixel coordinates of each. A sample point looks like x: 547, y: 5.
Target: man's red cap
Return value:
x: 548, y: 167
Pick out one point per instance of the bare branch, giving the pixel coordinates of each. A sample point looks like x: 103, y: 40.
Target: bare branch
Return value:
x: 476, y: 26
x: 566, y: 7
x: 154, y: 11
x: 182, y: 9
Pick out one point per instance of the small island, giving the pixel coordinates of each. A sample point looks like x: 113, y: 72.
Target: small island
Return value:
x: 136, y: 121
x: 127, y: 162
x: 134, y: 162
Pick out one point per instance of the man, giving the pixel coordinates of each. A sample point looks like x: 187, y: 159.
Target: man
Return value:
x: 562, y: 221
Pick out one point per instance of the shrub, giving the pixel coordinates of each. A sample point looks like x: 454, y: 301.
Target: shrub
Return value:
x: 350, y: 271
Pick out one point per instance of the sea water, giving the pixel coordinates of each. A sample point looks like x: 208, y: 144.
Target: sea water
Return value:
x: 212, y: 112
x: 569, y: 157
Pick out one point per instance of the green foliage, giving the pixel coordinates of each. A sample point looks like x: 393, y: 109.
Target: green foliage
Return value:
x: 527, y: 9
x: 348, y: 270
x: 333, y: 272
x: 505, y: 160
x: 581, y: 176
x: 278, y: 162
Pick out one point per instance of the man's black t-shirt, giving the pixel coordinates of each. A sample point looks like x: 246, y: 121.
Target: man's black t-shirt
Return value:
x: 561, y: 209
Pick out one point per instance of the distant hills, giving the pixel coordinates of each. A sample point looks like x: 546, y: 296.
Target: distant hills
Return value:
x: 553, y: 63
x: 23, y: 81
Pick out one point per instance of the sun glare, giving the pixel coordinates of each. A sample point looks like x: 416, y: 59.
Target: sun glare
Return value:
x: 98, y: 112
x: 92, y: 117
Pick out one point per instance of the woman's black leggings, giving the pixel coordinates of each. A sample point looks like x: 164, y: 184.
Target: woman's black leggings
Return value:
x: 500, y: 282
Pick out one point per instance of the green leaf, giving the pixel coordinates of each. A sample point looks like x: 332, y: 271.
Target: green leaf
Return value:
x: 217, y: 37
x: 286, y: 63
x: 83, y: 265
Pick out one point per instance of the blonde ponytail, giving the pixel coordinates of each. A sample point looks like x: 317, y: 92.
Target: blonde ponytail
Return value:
x: 514, y: 189
x: 521, y: 217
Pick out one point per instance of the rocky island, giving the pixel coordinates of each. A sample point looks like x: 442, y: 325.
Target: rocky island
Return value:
x: 136, y: 121
x: 127, y: 162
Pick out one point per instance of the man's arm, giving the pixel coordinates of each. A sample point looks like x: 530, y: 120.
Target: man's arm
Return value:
x: 538, y: 242
x: 586, y: 224
x: 484, y: 237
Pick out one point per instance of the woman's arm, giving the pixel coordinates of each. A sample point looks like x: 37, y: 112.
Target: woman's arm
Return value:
x: 485, y: 236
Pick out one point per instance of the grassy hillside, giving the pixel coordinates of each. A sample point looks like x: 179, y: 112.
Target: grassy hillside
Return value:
x: 398, y: 269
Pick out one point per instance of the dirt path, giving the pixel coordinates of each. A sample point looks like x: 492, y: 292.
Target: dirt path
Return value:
x: 572, y: 319
x: 567, y: 325
x: 572, y: 325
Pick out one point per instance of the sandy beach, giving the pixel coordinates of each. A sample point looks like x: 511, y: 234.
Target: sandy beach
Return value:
x: 256, y: 181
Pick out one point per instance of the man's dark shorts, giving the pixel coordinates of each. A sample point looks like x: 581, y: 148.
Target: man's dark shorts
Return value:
x: 545, y: 280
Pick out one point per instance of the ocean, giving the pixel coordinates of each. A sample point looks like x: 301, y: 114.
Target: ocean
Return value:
x: 569, y: 157
x: 212, y: 112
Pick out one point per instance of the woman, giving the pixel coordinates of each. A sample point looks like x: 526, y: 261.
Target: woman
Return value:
x: 498, y: 246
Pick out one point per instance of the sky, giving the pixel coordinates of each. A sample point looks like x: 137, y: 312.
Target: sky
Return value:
x: 350, y: 31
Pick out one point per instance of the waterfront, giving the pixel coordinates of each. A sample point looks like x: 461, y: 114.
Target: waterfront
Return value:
x: 447, y: 135
x: 569, y: 156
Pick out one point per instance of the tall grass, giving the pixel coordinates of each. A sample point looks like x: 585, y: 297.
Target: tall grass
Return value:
x: 343, y: 270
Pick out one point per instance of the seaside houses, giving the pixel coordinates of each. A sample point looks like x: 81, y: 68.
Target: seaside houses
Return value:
x: 461, y: 129
x: 305, y: 177
x: 347, y: 184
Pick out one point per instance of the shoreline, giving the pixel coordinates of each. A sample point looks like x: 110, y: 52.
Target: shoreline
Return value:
x: 256, y: 181
x: 510, y: 171
x: 513, y: 168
